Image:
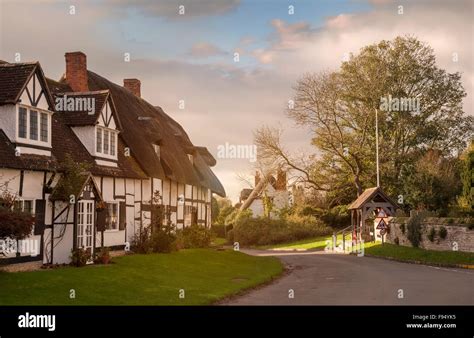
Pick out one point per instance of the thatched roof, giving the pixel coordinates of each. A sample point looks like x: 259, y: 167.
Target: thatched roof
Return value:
x: 143, y: 124
x: 64, y: 141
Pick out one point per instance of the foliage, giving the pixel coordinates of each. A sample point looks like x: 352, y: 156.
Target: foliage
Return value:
x: 414, y: 229
x: 396, y: 241
x: 431, y: 183
x: 194, y: 236
x: 230, y: 236
x: 162, y: 241
x: 432, y: 234
x: 14, y: 224
x: 406, y: 253
x: 214, y: 209
x: 262, y: 231
x: 102, y: 256
x: 79, y: 257
x: 141, y: 241
x: 267, y: 205
x: 218, y: 230
x: 466, y: 200
x: 224, y: 207
x: 443, y: 232
x: 336, y: 217
x: 74, y: 174
x: 403, y: 228
x: 339, y: 107
x: 236, y: 215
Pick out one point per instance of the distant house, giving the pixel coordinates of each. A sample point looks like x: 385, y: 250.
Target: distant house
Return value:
x: 266, y: 186
x: 133, y: 150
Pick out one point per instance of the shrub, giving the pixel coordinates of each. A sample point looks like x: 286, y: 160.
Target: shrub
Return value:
x: 79, y: 257
x: 403, y: 228
x: 102, y: 256
x: 443, y: 232
x: 218, y: 230
x: 141, y: 242
x: 396, y: 241
x: 263, y: 231
x: 414, y: 229
x: 432, y: 234
x: 162, y: 241
x: 194, y: 236
x: 15, y: 224
x: 336, y: 217
x: 230, y: 236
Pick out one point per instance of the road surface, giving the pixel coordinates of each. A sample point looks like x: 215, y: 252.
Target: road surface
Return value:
x: 318, y: 278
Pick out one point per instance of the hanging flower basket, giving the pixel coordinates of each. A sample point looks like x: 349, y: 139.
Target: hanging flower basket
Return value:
x: 100, y: 206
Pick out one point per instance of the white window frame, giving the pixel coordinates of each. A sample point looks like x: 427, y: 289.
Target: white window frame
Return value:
x: 118, y: 216
x: 22, y: 202
x: 111, y: 133
x: 27, y: 139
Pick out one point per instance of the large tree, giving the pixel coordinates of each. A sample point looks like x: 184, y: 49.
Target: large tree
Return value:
x: 340, y: 107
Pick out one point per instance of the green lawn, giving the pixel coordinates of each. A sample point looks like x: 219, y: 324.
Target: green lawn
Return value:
x: 316, y: 243
x: 386, y: 250
x: 205, y: 275
x: 417, y: 254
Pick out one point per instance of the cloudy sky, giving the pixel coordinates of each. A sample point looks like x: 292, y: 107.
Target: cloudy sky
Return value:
x: 191, y: 56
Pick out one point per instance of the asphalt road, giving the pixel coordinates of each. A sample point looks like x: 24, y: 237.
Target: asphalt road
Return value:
x: 318, y: 278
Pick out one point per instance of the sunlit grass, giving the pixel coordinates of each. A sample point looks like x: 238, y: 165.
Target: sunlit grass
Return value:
x: 205, y: 276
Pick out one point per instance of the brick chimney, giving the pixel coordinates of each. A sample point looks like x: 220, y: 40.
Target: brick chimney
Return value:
x: 133, y: 85
x: 76, y: 71
x: 281, y: 180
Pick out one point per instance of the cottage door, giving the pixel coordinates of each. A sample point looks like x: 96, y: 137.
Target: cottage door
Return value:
x: 85, y: 225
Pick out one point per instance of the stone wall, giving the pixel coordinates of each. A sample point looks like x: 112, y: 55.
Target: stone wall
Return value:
x: 458, y: 234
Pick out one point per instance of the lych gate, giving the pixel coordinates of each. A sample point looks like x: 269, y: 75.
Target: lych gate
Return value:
x: 372, y: 203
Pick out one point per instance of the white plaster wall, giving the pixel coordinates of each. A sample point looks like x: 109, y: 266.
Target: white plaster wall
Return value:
x: 8, y: 120
x: 257, y: 208
x: 120, y: 186
x: 86, y: 135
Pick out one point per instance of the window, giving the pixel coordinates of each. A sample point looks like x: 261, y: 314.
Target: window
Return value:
x: 22, y: 122
x: 191, y: 159
x: 111, y: 222
x: 24, y: 205
x: 44, y: 127
x: 106, y: 142
x: 156, y: 147
x: 112, y: 144
x: 33, y: 125
x: 99, y: 140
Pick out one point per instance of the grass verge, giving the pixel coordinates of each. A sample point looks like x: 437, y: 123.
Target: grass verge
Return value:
x: 205, y: 276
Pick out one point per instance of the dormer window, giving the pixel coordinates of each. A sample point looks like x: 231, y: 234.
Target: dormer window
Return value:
x: 34, y: 126
x: 106, y: 142
x: 157, y: 149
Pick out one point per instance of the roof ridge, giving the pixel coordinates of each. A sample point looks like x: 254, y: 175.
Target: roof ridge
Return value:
x: 13, y: 64
x: 103, y: 91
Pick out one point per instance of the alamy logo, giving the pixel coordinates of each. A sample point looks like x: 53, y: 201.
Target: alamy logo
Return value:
x: 75, y: 104
x: 240, y: 151
x: 10, y: 246
x: 402, y: 104
x: 37, y: 321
